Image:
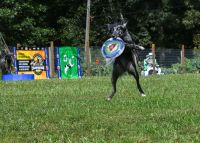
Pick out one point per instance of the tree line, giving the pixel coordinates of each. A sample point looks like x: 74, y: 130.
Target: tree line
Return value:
x: 168, y: 23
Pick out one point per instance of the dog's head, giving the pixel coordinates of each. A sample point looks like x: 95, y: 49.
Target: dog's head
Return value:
x: 117, y: 29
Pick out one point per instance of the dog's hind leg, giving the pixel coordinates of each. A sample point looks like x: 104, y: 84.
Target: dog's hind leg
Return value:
x: 133, y: 71
x: 115, y: 76
x: 116, y: 73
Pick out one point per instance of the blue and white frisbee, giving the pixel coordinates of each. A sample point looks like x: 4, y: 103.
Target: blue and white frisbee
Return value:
x: 112, y: 48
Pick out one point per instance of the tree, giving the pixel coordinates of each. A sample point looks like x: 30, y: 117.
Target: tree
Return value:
x: 23, y: 22
x: 168, y: 23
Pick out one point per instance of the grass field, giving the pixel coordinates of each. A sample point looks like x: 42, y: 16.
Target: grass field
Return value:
x: 76, y: 110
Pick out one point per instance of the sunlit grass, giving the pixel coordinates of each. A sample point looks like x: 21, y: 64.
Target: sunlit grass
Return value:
x: 76, y: 110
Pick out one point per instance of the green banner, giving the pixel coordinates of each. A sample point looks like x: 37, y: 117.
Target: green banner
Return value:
x: 68, y: 62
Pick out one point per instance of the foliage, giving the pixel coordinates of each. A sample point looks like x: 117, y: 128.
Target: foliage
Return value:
x: 190, y: 66
x: 101, y: 70
x: 34, y: 23
x: 196, y: 41
x: 76, y: 111
x: 192, y: 19
x: 24, y: 22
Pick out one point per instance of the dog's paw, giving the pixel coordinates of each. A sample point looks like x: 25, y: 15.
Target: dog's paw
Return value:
x: 143, y: 95
x: 141, y: 48
x: 108, y: 98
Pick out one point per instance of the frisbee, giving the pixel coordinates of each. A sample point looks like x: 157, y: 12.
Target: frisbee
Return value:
x: 112, y: 48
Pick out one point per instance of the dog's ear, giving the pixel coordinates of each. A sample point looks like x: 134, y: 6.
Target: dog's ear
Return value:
x: 125, y: 24
x: 108, y: 27
x: 111, y: 26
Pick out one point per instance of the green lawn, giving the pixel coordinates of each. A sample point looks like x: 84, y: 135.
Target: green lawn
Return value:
x: 76, y: 110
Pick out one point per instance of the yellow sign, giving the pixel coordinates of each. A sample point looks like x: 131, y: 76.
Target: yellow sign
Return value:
x: 41, y: 76
x: 28, y: 55
x: 31, y: 62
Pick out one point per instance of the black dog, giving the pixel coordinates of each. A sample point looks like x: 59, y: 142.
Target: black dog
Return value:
x: 5, y: 62
x: 127, y: 61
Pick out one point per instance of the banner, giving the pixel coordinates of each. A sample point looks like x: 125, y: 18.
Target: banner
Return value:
x: 32, y: 61
x: 68, y: 62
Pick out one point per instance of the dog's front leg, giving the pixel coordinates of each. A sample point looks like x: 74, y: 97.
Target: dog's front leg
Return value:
x: 131, y: 45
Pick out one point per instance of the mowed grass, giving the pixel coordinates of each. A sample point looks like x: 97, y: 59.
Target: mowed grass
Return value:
x: 60, y: 111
